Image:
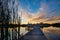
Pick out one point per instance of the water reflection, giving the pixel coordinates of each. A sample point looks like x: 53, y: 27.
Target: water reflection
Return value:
x: 51, y: 33
x: 24, y: 30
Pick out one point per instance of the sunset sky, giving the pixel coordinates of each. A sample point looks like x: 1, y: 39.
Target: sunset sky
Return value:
x: 36, y: 11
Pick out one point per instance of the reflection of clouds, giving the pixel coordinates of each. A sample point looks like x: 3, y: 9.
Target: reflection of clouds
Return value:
x: 23, y: 30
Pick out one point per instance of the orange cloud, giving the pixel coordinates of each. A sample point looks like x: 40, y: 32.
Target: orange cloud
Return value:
x: 40, y: 15
x: 37, y: 17
x: 54, y: 18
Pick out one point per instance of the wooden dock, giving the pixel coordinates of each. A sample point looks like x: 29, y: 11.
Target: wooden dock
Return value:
x: 35, y: 34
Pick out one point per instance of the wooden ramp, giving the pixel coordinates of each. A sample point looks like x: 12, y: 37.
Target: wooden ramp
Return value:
x: 35, y: 34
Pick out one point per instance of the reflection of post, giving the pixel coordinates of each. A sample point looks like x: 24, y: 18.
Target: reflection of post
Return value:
x: 6, y: 33
x: 2, y: 34
x: 18, y: 33
x: 12, y: 34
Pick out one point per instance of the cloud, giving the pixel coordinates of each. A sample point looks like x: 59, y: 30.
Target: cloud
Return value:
x: 54, y: 18
x: 27, y: 15
x: 42, y: 15
x: 37, y: 17
x: 47, y: 20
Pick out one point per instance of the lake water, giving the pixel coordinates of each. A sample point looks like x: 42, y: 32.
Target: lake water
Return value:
x: 24, y: 29
x: 52, y: 33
